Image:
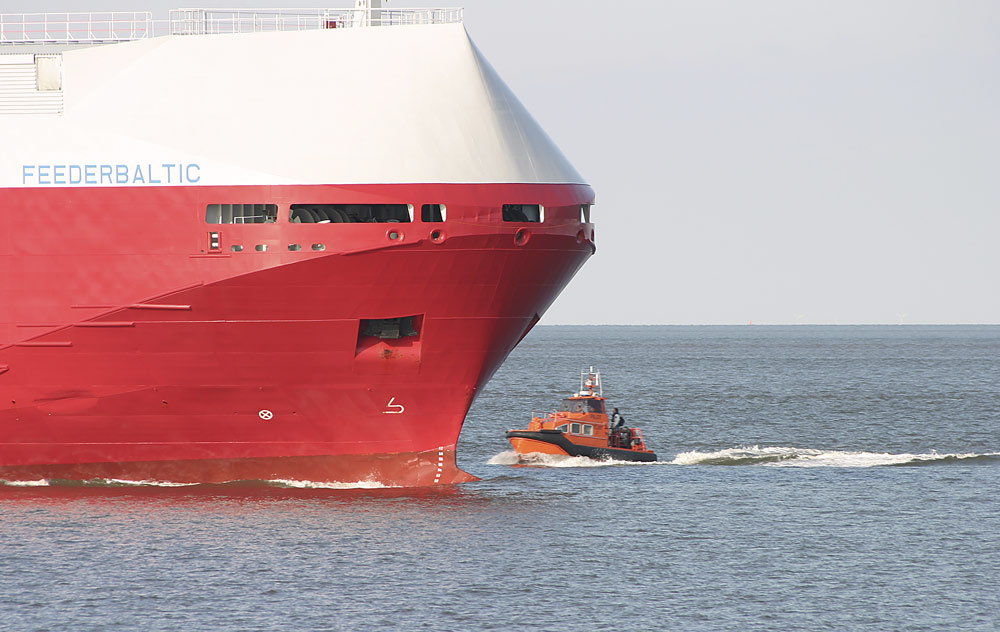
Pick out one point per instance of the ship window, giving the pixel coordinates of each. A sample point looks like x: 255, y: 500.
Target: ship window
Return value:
x: 241, y: 213
x: 563, y: 427
x: 585, y: 213
x: 574, y: 406
x: 575, y: 428
x: 523, y: 213
x: 433, y: 213
x: 595, y: 405
x: 588, y: 429
x: 350, y: 213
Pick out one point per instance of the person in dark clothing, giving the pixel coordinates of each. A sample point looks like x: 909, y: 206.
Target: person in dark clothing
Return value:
x: 617, y: 432
x: 617, y: 421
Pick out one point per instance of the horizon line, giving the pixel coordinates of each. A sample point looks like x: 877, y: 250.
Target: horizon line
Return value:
x: 544, y: 324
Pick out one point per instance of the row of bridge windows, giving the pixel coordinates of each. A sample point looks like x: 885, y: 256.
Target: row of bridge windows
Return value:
x: 361, y: 213
x: 584, y: 429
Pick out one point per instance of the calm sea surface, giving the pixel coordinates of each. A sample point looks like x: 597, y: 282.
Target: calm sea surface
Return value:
x: 809, y: 478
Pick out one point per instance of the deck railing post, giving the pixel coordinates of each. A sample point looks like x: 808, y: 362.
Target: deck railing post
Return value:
x: 121, y: 26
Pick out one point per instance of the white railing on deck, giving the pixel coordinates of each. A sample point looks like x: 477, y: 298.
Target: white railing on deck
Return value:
x: 69, y: 28
x: 123, y: 26
x: 214, y: 21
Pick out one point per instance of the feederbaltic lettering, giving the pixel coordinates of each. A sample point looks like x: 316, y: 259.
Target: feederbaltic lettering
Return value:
x: 114, y: 174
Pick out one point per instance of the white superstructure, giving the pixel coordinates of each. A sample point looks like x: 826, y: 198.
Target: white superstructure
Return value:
x: 269, y: 100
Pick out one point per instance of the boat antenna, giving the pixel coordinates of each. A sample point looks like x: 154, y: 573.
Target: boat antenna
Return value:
x: 590, y: 382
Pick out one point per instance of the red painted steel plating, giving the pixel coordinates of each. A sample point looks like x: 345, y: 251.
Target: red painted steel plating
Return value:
x: 155, y: 362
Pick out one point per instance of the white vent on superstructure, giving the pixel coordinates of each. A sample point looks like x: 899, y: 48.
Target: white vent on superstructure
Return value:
x: 31, y: 84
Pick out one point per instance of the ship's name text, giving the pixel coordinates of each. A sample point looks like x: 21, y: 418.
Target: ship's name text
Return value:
x: 165, y: 173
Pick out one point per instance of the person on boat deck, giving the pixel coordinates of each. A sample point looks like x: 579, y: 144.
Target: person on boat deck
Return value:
x: 617, y: 421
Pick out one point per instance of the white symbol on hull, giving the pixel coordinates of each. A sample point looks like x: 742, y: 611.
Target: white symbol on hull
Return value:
x: 266, y: 415
x: 392, y: 405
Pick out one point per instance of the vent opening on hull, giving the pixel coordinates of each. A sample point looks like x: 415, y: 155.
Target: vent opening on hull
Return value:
x: 433, y: 213
x: 389, y: 328
x: 523, y: 213
x: 350, y: 213
x: 388, y: 345
x: 241, y: 213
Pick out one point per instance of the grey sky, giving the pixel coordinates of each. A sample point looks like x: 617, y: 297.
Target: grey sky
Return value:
x: 773, y: 162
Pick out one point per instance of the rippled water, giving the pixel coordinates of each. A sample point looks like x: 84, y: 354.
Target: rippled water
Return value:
x: 809, y: 478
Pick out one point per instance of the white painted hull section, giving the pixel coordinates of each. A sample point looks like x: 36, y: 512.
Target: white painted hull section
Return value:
x: 404, y: 104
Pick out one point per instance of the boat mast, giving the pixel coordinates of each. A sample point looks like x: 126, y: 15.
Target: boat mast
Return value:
x: 590, y: 380
x: 368, y: 13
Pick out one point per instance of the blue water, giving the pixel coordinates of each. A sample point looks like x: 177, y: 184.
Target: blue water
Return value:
x: 810, y: 478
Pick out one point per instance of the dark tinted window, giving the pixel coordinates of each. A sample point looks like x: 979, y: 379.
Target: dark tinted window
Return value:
x: 573, y: 406
x: 583, y: 405
x: 522, y: 213
x: 432, y: 213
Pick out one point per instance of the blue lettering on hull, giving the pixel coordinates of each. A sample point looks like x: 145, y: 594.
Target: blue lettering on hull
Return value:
x: 113, y: 174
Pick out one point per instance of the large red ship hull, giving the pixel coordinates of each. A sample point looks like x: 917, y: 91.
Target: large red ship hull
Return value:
x: 136, y: 344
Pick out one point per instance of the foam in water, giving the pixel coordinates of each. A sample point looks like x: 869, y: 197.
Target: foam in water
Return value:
x: 803, y: 457
x: 130, y: 483
x: 505, y: 458
x: 39, y: 483
x: 120, y: 482
x: 553, y: 460
x: 368, y: 484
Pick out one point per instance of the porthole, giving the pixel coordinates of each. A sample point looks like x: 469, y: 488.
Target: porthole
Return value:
x: 294, y: 247
x: 236, y: 247
x: 260, y: 247
x: 394, y: 235
x: 580, y: 236
x: 319, y: 246
x: 437, y: 236
x: 522, y: 236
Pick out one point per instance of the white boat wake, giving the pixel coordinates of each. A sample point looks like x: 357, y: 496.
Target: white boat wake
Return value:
x: 555, y: 460
x: 804, y: 457
x: 754, y: 455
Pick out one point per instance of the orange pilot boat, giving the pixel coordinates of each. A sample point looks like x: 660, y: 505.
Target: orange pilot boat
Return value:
x: 581, y: 428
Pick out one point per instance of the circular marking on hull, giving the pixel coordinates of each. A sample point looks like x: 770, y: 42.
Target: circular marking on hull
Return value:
x: 266, y: 415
